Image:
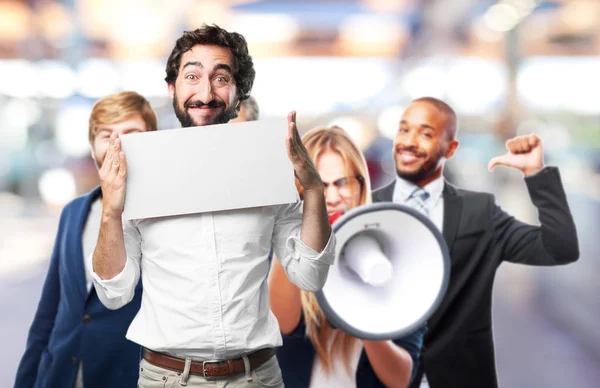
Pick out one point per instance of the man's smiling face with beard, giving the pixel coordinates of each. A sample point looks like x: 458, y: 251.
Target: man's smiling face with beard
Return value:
x: 422, y: 143
x: 204, y: 92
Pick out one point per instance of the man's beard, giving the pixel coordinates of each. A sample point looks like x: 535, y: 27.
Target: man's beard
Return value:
x: 429, y: 166
x: 186, y: 119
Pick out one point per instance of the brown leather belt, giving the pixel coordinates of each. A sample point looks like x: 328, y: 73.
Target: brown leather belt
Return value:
x: 210, y: 368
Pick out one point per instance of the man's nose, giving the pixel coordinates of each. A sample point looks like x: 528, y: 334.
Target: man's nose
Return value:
x: 205, y: 92
x: 409, y: 140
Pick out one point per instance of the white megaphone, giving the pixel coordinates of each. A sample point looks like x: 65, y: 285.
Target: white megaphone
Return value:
x: 391, y: 272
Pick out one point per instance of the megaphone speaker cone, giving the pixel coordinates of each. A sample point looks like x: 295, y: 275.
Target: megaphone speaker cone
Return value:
x: 390, y: 273
x: 364, y: 256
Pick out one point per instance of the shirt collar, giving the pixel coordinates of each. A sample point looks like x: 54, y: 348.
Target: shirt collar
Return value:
x: 403, y: 189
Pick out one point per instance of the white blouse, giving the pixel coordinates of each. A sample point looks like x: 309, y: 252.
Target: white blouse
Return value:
x: 338, y: 375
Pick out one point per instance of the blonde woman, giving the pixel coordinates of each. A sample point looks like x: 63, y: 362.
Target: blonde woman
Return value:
x: 314, y: 354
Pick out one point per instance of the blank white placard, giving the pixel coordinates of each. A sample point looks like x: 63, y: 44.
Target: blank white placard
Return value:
x: 210, y: 168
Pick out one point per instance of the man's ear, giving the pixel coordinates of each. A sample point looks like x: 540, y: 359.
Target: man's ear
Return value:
x: 171, y: 89
x: 452, y: 147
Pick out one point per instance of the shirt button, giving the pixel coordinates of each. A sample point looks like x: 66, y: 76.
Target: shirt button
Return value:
x: 86, y: 318
x: 74, y: 360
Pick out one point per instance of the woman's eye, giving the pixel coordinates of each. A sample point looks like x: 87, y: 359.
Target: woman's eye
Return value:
x: 341, y: 182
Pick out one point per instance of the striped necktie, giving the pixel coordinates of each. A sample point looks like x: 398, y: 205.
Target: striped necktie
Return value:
x: 417, y: 200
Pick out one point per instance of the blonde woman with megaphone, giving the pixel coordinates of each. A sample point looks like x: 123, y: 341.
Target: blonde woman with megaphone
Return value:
x: 314, y: 354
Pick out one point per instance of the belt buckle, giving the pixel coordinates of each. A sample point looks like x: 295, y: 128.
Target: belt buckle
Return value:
x: 204, y: 368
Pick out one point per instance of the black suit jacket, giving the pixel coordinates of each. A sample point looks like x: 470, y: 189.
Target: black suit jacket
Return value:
x: 458, y: 349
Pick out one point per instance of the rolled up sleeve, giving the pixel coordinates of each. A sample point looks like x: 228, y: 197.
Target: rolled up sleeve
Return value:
x: 304, y: 267
x: 117, y: 292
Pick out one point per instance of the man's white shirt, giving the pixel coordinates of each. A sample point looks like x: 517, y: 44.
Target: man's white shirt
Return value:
x: 205, y: 278
x: 434, y: 204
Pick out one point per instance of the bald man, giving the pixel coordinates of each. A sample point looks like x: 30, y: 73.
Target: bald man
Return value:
x: 458, y: 349
x: 248, y: 111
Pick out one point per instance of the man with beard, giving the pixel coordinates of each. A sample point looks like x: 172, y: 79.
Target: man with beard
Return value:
x: 205, y: 308
x: 458, y: 349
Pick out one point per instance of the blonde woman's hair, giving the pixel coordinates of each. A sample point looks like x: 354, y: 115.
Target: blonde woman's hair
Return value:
x: 117, y: 107
x: 318, y: 141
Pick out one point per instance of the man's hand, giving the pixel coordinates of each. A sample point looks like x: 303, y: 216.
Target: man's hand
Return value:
x: 113, y: 174
x: 525, y: 153
x: 304, y: 169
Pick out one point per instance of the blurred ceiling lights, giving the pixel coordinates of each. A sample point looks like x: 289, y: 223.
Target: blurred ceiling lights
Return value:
x: 389, y: 5
x: 506, y: 14
x: 377, y: 35
x: 56, y: 22
x: 98, y: 77
x: 15, y: 21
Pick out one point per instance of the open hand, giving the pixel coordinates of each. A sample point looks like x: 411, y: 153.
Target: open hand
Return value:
x: 304, y: 169
x: 113, y: 174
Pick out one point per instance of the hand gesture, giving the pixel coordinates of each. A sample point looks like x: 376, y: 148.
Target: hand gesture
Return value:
x: 525, y: 153
x: 304, y: 169
x: 113, y: 174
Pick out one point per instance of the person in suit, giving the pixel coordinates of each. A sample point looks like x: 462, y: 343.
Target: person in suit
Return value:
x: 74, y: 341
x: 314, y: 354
x: 458, y: 349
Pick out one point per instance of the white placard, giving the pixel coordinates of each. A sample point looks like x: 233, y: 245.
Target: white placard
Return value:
x: 210, y: 168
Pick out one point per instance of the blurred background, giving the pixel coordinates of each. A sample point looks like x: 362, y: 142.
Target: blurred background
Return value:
x: 508, y: 67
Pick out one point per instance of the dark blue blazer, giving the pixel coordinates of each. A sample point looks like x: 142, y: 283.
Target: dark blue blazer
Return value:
x: 72, y: 326
x: 297, y: 355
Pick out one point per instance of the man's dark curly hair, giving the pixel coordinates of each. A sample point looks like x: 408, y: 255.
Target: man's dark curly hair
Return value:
x: 243, y: 71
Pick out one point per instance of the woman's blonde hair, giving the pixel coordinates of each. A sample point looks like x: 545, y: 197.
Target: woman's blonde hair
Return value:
x: 318, y: 141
